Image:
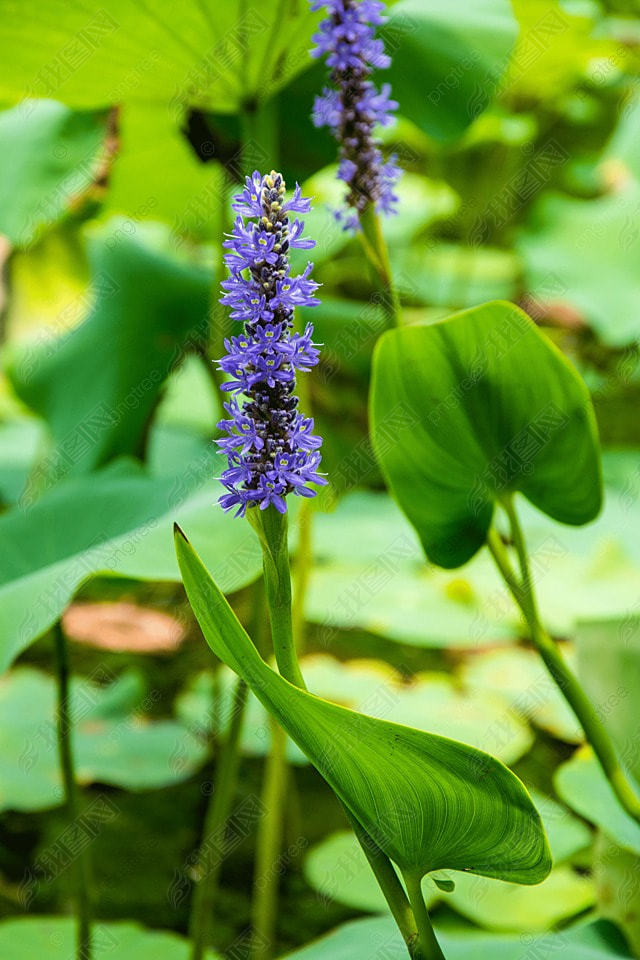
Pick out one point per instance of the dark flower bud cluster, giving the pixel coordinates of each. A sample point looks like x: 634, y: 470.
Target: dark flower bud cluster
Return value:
x: 354, y: 106
x: 270, y: 445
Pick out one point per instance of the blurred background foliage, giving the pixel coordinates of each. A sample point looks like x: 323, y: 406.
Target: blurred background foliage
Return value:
x: 123, y: 135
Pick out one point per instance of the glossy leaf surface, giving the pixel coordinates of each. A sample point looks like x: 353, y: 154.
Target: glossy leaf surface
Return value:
x: 429, y: 802
x: 482, y: 405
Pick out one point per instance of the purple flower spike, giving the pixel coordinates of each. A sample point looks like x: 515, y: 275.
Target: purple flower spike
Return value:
x: 269, y: 445
x: 354, y: 106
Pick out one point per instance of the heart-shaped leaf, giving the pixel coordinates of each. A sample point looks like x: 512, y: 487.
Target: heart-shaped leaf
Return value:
x: 429, y: 802
x: 471, y: 408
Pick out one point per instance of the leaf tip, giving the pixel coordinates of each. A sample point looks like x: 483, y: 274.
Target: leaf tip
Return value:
x: 179, y: 532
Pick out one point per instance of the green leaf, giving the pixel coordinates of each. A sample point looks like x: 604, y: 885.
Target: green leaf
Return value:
x: 208, y: 55
x: 583, y: 786
x: 23, y: 938
x: 481, y: 404
x: 116, y: 521
x: 147, y: 305
x: 363, y: 939
x: 446, y: 61
x: 49, y: 156
x: 111, y: 743
x: 392, y: 778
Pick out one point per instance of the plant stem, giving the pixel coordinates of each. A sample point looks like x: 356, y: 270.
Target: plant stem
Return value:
x: 211, y: 854
x: 389, y: 883
x: 268, y: 846
x: 65, y: 750
x: 426, y: 946
x: 271, y: 528
x: 375, y: 247
x: 523, y: 593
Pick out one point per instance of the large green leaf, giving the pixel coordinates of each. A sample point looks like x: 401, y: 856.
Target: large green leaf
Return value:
x: 49, y: 155
x: 203, y: 54
x: 447, y: 60
x: 147, y: 305
x: 111, y: 743
x: 377, y: 936
x: 23, y: 938
x: 481, y: 404
x: 428, y: 801
x: 117, y: 521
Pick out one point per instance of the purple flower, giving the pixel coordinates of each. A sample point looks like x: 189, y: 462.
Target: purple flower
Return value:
x: 270, y: 446
x: 355, y: 106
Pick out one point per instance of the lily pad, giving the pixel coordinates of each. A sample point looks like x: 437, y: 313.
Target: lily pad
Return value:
x: 23, y: 938
x: 522, y: 679
x: 111, y: 744
x: 583, y: 786
x: 592, y: 250
x: 378, y: 936
x: 509, y: 906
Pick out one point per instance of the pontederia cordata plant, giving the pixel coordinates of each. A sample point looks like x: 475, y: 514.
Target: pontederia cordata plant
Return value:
x: 352, y: 108
x: 416, y: 800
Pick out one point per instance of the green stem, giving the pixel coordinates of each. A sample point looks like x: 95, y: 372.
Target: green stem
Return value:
x: 268, y: 847
x: 65, y: 750
x: 389, y: 883
x: 212, y: 848
x: 271, y: 528
x: 375, y: 247
x: 426, y: 946
x: 523, y: 593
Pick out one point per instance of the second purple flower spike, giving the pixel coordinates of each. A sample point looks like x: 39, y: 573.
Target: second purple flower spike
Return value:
x: 270, y: 445
x: 353, y: 106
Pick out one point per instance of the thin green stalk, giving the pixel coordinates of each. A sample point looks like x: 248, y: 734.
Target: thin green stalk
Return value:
x: 426, y: 946
x: 375, y: 247
x: 268, y: 846
x: 212, y: 848
x: 271, y: 528
x: 389, y: 883
x: 523, y: 593
x: 65, y: 750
